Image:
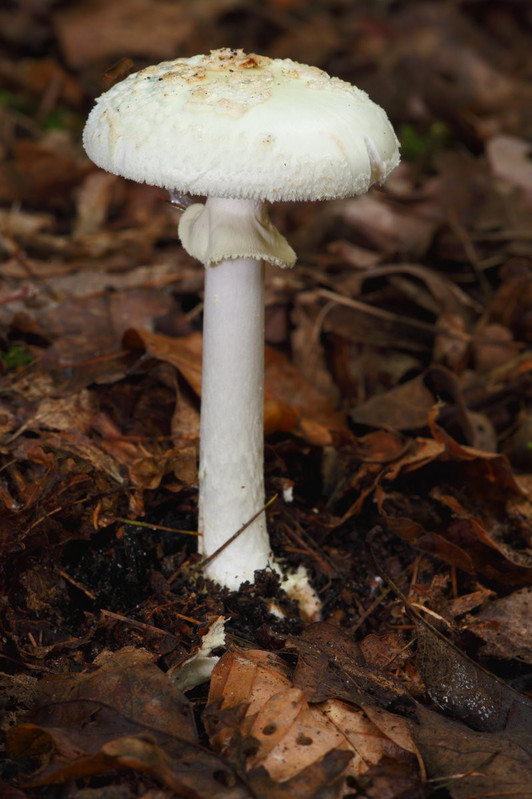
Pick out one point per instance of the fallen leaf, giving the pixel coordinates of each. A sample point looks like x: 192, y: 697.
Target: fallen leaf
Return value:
x: 313, y: 410
x: 273, y: 725
x: 126, y: 714
x: 509, y: 158
x: 405, y: 407
x: 473, y: 764
x: 505, y: 626
x: 39, y: 172
x: 493, y: 346
x: 93, y: 201
x: 99, y: 31
x: 467, y: 692
x: 292, y: 404
x: 468, y: 602
x: 330, y: 665
x: 473, y: 539
x: 183, y: 353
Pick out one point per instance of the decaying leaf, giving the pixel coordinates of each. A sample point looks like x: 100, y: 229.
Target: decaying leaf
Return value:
x: 505, y: 626
x: 467, y: 692
x: 473, y: 764
x: 277, y: 729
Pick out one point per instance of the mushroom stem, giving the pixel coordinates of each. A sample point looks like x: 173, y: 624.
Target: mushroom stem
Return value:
x: 232, y: 412
x: 233, y: 238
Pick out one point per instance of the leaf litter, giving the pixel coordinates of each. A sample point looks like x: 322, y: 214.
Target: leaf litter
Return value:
x: 397, y: 416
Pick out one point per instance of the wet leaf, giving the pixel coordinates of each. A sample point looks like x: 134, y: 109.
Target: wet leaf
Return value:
x: 467, y: 692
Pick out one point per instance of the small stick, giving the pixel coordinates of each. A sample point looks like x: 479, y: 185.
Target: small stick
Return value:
x: 135, y: 523
x: 230, y: 540
x: 77, y: 585
x: 140, y: 625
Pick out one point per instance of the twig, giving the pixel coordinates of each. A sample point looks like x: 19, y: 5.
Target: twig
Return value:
x: 230, y: 540
x: 135, y: 523
x: 370, y: 309
x: 75, y: 583
x: 367, y: 613
x: 140, y: 625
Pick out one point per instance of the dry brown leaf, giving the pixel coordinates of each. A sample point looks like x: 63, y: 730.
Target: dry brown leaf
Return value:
x: 37, y: 76
x: 372, y: 733
x: 331, y: 666
x: 415, y: 533
x: 384, y: 650
x: 23, y: 226
x: 488, y: 530
x: 290, y: 735
x: 85, y: 449
x: 73, y: 412
x: 316, y: 417
x: 375, y: 450
x: 468, y: 602
x: 441, y: 58
x: 405, y: 407
x: 513, y: 300
x: 309, y: 356
x: 183, y: 353
x: 356, y: 257
x: 250, y: 678
x: 185, y: 434
x: 92, y: 201
x: 493, y: 346
x: 291, y: 403
x: 494, y: 556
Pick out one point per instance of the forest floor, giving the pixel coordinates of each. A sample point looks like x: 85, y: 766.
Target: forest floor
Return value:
x: 398, y: 425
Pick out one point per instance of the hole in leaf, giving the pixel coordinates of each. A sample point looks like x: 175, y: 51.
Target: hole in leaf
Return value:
x: 224, y: 778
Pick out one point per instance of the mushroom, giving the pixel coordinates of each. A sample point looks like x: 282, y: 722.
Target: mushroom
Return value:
x: 241, y: 130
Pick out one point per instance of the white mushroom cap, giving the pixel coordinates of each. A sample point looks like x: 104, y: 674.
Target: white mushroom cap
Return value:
x: 243, y: 126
